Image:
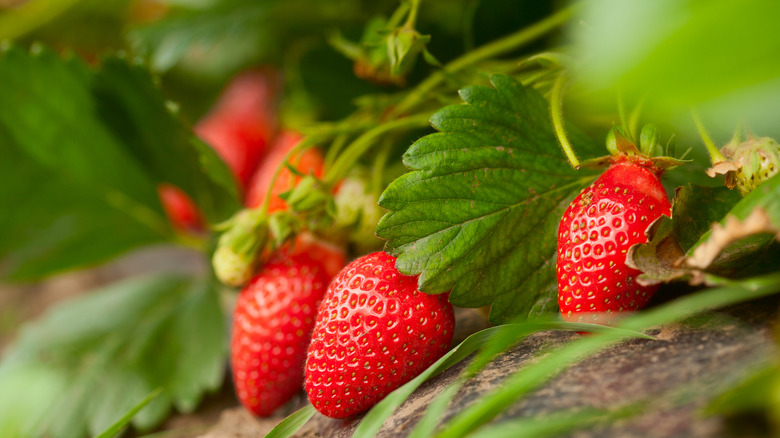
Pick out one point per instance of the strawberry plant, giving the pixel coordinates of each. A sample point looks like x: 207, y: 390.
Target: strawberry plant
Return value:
x: 210, y: 167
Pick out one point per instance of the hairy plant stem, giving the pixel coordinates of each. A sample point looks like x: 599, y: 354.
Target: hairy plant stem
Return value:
x: 411, y: 20
x: 377, y: 173
x: 556, y: 114
x: 361, y: 144
x: 715, y: 154
x: 495, y: 48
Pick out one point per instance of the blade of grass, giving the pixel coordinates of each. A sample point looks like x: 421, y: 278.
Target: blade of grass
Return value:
x: 534, y: 375
x: 292, y: 423
x: 553, y: 424
x: 117, y: 427
x: 373, y: 421
x: 426, y: 426
x: 501, y: 342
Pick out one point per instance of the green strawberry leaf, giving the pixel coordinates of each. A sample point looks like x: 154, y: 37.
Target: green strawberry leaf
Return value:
x: 83, y: 152
x: 92, y: 359
x: 479, y: 213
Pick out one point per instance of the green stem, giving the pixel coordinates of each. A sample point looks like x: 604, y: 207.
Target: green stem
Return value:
x: 378, y: 168
x: 556, y: 114
x: 715, y: 154
x: 399, y: 13
x: 411, y: 20
x: 739, y: 133
x: 335, y: 147
x: 361, y: 144
x: 495, y: 48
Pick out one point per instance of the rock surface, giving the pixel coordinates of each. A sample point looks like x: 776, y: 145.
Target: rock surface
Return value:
x: 685, y: 367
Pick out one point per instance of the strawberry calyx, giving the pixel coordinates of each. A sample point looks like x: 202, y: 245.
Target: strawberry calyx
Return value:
x: 623, y: 149
x: 238, y: 251
x: 747, y: 163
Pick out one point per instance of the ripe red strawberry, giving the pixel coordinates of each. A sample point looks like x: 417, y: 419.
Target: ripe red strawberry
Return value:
x: 311, y: 161
x: 375, y: 331
x: 272, y: 322
x: 243, y: 121
x: 594, y: 235
x: 180, y: 208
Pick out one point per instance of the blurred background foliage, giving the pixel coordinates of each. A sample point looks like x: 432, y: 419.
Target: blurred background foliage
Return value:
x: 655, y: 59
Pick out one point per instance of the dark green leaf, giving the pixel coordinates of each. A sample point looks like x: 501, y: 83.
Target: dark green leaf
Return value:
x: 234, y: 24
x: 292, y: 423
x: 132, y: 106
x: 252, y: 30
x: 117, y: 427
x: 671, y: 251
x: 83, y: 152
x: 90, y: 360
x: 696, y: 208
x: 478, y: 214
x: 748, y: 228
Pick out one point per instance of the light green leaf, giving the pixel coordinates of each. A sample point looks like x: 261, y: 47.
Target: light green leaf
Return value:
x: 533, y: 375
x: 552, y: 425
x: 117, y: 427
x: 755, y: 393
x: 92, y: 359
x: 495, y: 339
x: 479, y: 213
x: 717, y: 53
x: 293, y: 422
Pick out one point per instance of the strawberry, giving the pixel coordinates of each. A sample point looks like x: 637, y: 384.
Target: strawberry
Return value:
x: 242, y: 122
x: 309, y: 162
x: 272, y: 321
x: 374, y: 332
x: 180, y: 208
x: 597, y: 229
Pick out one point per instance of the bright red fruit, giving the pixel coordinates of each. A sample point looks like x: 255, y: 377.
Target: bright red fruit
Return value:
x: 310, y: 161
x: 272, y: 322
x: 375, y: 331
x: 243, y: 121
x: 594, y: 235
x: 180, y: 208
